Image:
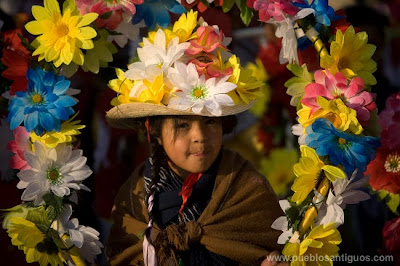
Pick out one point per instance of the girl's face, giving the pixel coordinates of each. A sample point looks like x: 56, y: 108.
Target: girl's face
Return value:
x: 191, y: 143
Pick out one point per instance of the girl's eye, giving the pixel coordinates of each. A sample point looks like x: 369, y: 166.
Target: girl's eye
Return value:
x: 211, y: 121
x: 183, y: 125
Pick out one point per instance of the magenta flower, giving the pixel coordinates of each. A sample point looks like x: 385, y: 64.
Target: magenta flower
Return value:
x: 19, y: 146
x: 389, y: 120
x: 275, y: 9
x: 101, y: 7
x: 332, y: 87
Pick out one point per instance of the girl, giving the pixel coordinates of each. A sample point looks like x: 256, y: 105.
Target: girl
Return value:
x: 193, y: 202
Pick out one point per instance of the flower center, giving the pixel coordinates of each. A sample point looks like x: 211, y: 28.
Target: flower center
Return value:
x: 392, y: 163
x: 47, y: 246
x: 342, y: 141
x: 199, y: 92
x: 343, y: 63
x: 37, y: 98
x: 53, y: 175
x: 62, y: 30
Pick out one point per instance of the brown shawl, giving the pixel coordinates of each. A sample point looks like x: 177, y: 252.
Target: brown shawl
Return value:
x: 236, y: 223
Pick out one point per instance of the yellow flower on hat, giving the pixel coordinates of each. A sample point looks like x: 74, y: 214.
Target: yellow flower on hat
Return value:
x: 318, y: 248
x: 69, y: 129
x: 62, y: 36
x: 341, y: 116
x: 248, y: 87
x: 183, y: 29
x: 37, y: 248
x: 153, y: 92
x: 309, y: 170
x: 351, y: 54
x: 260, y: 74
x: 122, y: 86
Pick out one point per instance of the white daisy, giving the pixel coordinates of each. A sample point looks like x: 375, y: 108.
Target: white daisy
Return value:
x: 343, y: 193
x: 281, y: 223
x: 156, y: 58
x: 55, y: 170
x: 85, y: 238
x: 196, y: 92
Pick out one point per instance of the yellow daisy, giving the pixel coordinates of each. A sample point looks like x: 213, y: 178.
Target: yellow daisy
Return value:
x: 341, y: 116
x: 154, y: 91
x: 62, y: 36
x: 248, y: 88
x: 351, y: 54
x: 318, y: 248
x: 36, y: 246
x: 308, y: 171
x: 183, y: 29
x: 69, y: 129
x: 122, y: 86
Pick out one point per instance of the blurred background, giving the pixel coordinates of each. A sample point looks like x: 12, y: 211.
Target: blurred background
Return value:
x: 263, y: 135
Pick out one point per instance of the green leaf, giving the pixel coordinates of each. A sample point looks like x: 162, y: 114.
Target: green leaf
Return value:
x: 393, y: 202
x: 245, y: 12
x: 295, y: 85
x: 38, y: 216
x: 25, y: 43
x: 227, y: 5
x: 382, y: 194
x: 43, y: 228
x: 55, y: 202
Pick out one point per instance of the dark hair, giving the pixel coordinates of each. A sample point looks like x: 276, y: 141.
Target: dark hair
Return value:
x: 157, y: 153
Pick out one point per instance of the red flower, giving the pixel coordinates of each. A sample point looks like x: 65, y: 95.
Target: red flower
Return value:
x: 391, y: 236
x: 17, y: 63
x: 12, y: 41
x: 16, y: 58
x: 384, y: 171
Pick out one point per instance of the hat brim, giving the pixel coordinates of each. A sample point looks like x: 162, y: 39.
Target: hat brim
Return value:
x: 124, y: 115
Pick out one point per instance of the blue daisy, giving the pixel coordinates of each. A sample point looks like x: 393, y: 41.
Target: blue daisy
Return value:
x: 157, y: 12
x: 43, y: 106
x: 351, y: 151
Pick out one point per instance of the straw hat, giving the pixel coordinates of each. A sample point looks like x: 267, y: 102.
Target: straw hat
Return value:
x: 184, y: 70
x: 124, y: 115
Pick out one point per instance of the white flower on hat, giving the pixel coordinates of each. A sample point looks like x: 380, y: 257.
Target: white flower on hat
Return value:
x: 156, y: 58
x: 57, y: 170
x: 85, y: 238
x: 192, y: 91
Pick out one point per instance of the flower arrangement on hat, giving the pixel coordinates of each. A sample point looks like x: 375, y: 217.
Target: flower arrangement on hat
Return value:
x: 183, y: 69
x: 337, y: 123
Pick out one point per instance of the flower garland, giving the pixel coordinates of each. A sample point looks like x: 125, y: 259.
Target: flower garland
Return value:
x: 41, y: 115
x: 337, y: 117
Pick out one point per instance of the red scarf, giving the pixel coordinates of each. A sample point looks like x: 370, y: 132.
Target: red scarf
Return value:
x: 187, y: 188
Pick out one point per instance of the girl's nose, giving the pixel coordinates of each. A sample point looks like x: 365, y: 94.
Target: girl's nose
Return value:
x: 199, y: 132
